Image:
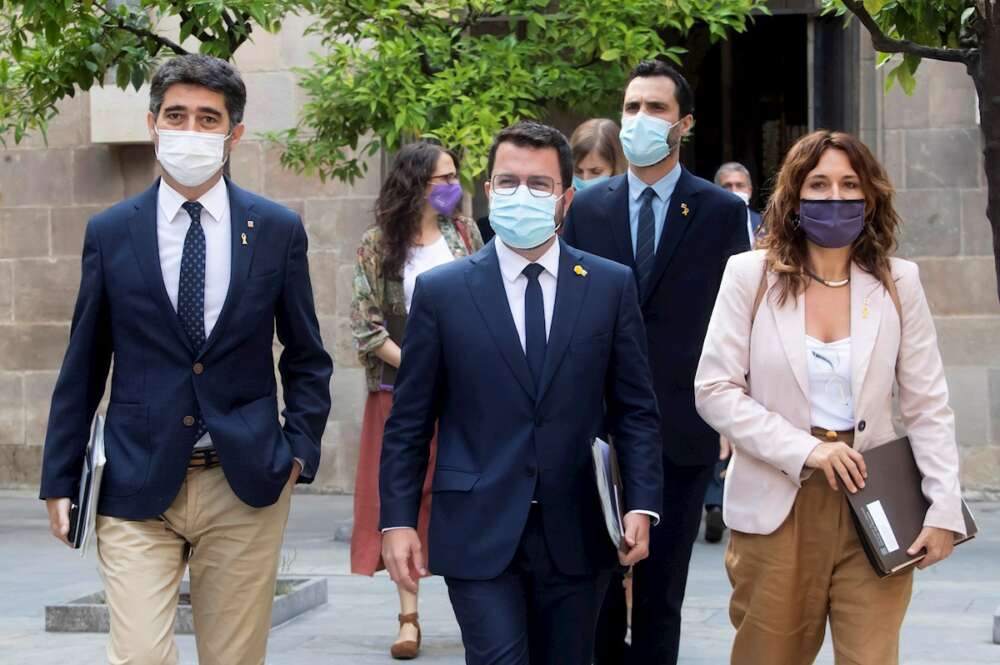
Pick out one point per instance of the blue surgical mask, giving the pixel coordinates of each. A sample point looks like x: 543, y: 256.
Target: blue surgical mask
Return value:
x: 645, y: 139
x: 579, y: 183
x: 523, y: 220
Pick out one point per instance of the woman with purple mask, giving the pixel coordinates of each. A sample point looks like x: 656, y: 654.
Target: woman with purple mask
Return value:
x: 417, y: 228
x: 811, y: 336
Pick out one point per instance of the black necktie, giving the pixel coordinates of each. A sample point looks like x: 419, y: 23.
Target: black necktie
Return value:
x: 534, y: 322
x: 644, y: 243
x: 191, y: 290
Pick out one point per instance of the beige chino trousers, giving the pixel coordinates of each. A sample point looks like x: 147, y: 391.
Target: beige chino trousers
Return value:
x: 232, y: 551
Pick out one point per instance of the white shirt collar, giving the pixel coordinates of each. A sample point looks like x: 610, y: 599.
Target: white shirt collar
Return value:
x: 215, y: 201
x: 512, y: 264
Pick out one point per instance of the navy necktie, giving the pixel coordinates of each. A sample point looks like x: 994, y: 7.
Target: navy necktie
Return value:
x: 534, y: 322
x: 191, y: 290
x: 644, y: 244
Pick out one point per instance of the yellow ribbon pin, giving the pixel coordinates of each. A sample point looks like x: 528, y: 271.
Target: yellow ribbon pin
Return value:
x: 243, y: 237
x: 684, y: 209
x: 579, y: 270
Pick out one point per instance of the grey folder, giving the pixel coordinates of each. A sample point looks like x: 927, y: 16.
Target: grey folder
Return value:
x: 889, y: 512
x: 609, y: 489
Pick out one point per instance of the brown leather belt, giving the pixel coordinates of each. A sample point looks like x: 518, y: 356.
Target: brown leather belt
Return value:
x: 206, y: 458
x: 830, y: 435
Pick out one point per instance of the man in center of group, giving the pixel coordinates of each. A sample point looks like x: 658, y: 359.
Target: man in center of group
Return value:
x: 549, y: 336
x: 677, y: 232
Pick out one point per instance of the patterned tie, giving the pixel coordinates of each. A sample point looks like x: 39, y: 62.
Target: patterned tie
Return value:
x: 644, y: 244
x: 534, y: 322
x: 191, y: 290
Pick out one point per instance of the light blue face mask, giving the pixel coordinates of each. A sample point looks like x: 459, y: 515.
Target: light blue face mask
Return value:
x: 522, y: 220
x: 645, y: 139
x: 579, y: 183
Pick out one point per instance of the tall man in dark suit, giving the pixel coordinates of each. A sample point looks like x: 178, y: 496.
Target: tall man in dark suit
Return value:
x: 183, y: 287
x: 514, y: 351
x: 676, y: 232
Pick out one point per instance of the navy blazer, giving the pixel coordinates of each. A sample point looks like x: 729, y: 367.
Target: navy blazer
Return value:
x: 755, y: 220
x: 705, y: 225
x: 123, y: 313
x: 463, y: 368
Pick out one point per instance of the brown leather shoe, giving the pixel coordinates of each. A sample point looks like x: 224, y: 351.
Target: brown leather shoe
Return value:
x: 407, y: 650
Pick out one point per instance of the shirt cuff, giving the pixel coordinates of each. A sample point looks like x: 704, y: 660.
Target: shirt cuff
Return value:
x: 304, y: 469
x: 395, y: 528
x: 655, y: 517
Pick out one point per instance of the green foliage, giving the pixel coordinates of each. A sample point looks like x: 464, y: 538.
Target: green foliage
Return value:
x: 930, y: 23
x: 49, y: 48
x: 460, y: 70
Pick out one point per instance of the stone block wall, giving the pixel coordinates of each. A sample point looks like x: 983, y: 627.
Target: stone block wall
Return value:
x: 48, y: 192
x: 932, y: 147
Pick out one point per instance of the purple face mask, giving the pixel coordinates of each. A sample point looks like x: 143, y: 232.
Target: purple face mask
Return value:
x: 832, y: 223
x: 444, y: 198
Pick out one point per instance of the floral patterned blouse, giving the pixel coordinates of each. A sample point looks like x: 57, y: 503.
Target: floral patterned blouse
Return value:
x: 377, y: 296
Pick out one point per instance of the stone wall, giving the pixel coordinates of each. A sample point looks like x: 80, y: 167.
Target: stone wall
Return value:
x: 932, y: 147
x: 47, y: 193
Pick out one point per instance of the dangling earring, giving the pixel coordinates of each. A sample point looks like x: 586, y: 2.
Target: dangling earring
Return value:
x: 796, y: 221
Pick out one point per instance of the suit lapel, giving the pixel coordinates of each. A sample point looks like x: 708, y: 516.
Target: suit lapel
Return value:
x: 867, y: 303
x: 790, y: 319
x: 142, y: 229
x: 675, y: 228
x: 485, y: 281
x: 240, y: 207
x: 618, y: 214
x: 570, y: 291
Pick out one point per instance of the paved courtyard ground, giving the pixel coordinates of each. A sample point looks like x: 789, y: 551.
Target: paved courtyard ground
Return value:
x: 950, y: 619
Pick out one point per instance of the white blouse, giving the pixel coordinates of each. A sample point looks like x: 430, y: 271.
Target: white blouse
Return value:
x: 831, y: 402
x: 420, y: 259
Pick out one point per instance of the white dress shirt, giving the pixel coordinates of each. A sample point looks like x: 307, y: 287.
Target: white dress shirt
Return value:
x: 515, y: 283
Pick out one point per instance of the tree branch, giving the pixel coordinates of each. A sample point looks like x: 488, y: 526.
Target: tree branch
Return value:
x: 201, y: 35
x: 886, y: 44
x: 143, y: 33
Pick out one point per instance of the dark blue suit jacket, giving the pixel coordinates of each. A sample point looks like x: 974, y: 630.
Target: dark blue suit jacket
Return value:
x: 123, y: 312
x: 755, y: 220
x: 687, y: 271
x: 464, y: 368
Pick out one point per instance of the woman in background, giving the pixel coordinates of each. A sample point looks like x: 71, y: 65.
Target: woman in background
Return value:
x: 416, y: 228
x: 597, y: 153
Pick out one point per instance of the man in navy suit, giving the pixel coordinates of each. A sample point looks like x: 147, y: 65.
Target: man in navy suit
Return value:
x: 735, y: 178
x: 676, y: 232
x: 514, y: 352
x: 183, y: 287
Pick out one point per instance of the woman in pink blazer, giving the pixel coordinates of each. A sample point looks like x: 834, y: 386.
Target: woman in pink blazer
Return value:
x: 808, y: 336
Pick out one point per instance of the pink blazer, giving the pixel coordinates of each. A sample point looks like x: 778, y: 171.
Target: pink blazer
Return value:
x: 754, y: 390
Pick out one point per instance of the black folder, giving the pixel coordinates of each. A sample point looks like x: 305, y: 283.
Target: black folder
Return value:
x: 395, y: 324
x: 889, y: 512
x: 609, y: 489
x: 83, y: 511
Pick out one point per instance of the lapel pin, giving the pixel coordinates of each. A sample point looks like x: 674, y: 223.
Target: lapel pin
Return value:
x: 579, y: 270
x: 684, y: 209
x: 864, y: 309
x: 243, y: 237
x: 249, y: 223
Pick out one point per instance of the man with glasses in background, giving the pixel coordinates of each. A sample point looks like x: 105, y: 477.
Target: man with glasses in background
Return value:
x: 551, y: 335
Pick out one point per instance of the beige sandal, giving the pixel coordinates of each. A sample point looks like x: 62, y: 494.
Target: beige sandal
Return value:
x: 407, y: 650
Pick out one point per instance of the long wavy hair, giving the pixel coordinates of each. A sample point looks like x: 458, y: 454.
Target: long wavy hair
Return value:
x: 401, y: 200
x: 785, y: 242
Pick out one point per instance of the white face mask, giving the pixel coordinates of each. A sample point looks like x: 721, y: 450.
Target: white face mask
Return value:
x: 191, y: 158
x: 744, y: 196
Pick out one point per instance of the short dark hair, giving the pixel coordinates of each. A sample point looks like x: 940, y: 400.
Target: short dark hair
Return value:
x: 531, y: 134
x: 204, y: 70
x: 682, y: 89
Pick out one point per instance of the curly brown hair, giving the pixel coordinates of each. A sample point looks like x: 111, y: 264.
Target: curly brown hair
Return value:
x: 401, y: 201
x: 785, y: 242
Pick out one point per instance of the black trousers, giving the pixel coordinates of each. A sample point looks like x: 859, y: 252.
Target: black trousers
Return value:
x: 531, y: 614
x: 659, y: 581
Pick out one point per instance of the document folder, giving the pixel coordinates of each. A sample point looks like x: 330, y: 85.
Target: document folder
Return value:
x: 889, y: 512
x: 609, y: 488
x: 83, y: 512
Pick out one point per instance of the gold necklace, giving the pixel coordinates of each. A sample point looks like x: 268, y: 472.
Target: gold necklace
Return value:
x: 833, y: 284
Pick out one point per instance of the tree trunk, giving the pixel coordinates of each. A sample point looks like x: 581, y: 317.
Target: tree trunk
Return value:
x: 985, y: 72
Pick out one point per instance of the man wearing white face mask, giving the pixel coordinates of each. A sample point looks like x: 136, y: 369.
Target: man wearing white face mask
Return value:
x: 550, y: 336
x: 676, y: 231
x: 183, y: 287
x: 735, y: 178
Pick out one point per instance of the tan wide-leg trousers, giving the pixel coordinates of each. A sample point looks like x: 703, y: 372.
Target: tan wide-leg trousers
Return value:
x: 788, y: 583
x: 232, y: 551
